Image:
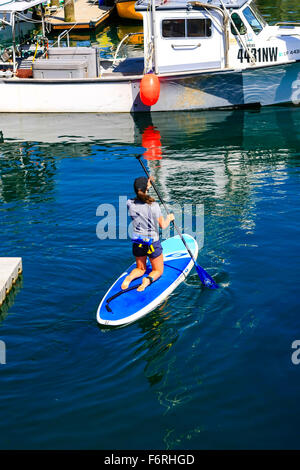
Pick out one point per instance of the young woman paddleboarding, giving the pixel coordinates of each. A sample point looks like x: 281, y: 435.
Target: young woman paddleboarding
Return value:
x: 146, y: 219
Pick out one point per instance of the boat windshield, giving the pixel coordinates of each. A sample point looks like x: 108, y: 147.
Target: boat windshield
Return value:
x: 254, y: 22
x: 258, y: 14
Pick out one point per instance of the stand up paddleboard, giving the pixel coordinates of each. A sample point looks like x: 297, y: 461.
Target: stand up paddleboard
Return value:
x: 119, y: 307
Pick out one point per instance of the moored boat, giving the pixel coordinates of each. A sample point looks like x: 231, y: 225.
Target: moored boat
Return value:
x: 126, y: 9
x: 202, y: 55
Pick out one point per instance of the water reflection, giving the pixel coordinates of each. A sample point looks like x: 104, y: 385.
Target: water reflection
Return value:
x: 279, y: 10
x: 10, y: 298
x: 207, y: 155
x: 151, y: 141
x: 178, y: 130
x: 25, y: 172
x: 157, y: 339
x: 107, y: 38
x: 67, y: 128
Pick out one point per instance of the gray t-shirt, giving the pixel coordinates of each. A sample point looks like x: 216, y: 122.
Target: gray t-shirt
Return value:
x: 144, y: 219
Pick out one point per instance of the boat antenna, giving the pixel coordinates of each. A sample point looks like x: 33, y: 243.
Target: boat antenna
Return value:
x: 154, y: 35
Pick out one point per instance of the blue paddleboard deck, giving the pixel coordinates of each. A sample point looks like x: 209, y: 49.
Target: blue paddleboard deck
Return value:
x: 131, y: 305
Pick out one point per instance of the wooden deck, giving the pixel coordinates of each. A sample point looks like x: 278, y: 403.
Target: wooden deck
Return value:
x: 88, y: 15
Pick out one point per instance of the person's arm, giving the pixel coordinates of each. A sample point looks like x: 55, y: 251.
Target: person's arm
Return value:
x: 164, y: 223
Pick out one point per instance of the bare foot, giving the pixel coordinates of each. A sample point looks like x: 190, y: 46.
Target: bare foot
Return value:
x: 145, y: 283
x: 126, y: 283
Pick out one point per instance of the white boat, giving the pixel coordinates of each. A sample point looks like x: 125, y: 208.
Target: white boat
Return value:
x: 205, y: 55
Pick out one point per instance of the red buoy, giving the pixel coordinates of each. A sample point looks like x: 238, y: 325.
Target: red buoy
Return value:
x: 149, y: 89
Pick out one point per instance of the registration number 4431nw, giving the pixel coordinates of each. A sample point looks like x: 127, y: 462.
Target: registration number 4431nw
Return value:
x: 262, y: 54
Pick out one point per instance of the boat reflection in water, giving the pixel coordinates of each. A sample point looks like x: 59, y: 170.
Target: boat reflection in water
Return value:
x: 183, y: 149
x: 126, y: 29
x: 151, y: 140
x: 177, y: 130
x: 32, y: 171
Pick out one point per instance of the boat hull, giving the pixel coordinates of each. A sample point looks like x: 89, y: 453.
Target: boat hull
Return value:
x: 126, y: 9
x: 262, y: 86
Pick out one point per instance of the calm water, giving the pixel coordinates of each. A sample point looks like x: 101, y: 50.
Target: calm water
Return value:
x: 209, y: 369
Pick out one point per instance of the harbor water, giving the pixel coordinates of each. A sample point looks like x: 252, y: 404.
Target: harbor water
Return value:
x: 208, y: 369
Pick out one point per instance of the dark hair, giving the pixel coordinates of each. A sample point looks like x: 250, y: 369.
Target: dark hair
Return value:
x: 144, y: 197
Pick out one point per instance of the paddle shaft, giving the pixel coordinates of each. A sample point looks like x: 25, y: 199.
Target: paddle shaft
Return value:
x: 167, y: 210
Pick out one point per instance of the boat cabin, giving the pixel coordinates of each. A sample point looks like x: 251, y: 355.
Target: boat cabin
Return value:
x: 212, y: 34
x: 185, y: 36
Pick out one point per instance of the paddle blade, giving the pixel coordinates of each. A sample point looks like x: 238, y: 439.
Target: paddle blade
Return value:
x: 205, y: 278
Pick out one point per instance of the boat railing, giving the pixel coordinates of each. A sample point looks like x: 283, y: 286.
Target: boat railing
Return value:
x: 62, y: 35
x: 287, y: 23
x: 116, y: 58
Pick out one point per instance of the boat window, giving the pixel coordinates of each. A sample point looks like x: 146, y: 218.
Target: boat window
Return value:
x: 258, y: 14
x: 173, y: 28
x: 191, y: 28
x: 252, y: 20
x: 239, y: 25
x: 197, y: 28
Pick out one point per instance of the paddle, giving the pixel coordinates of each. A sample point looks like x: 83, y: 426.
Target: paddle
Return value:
x: 205, y: 278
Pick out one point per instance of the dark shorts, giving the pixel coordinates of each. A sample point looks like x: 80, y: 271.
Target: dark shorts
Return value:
x: 143, y: 250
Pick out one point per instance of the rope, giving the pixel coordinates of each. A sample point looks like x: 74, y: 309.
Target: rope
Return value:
x: 36, y: 49
x: 149, y: 57
x: 26, y: 19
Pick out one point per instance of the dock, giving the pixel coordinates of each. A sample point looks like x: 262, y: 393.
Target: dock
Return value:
x: 88, y: 15
x: 10, y: 269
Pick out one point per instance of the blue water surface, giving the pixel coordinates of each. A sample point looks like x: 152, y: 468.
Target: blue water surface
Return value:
x: 208, y: 369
